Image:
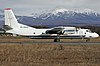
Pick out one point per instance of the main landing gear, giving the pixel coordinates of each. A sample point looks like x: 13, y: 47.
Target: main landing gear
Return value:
x: 57, y: 39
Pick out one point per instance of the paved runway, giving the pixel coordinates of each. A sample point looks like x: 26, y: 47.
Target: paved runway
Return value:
x: 66, y: 43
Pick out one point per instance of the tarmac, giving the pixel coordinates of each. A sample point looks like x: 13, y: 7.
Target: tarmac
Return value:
x: 65, y: 43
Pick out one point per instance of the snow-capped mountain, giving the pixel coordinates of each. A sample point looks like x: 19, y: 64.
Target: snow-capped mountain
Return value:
x: 64, y: 13
x: 68, y: 17
x: 61, y: 17
x: 56, y: 11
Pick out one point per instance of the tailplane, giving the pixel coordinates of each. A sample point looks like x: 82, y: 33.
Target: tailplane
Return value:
x: 10, y: 19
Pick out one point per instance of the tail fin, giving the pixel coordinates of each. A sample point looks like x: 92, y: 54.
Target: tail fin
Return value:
x: 10, y: 19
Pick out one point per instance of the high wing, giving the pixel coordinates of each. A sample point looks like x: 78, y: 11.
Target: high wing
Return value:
x: 55, y: 30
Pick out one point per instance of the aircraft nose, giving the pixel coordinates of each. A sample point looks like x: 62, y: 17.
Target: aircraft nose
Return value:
x: 96, y: 35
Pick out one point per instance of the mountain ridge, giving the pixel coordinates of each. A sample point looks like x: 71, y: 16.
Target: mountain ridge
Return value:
x: 60, y: 17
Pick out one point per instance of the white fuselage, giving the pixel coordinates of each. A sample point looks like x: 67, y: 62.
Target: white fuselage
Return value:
x: 26, y: 30
x: 67, y: 31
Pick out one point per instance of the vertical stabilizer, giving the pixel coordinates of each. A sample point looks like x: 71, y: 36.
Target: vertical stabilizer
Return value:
x: 10, y: 19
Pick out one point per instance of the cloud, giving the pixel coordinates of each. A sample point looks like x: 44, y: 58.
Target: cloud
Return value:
x: 48, y: 3
x: 29, y: 5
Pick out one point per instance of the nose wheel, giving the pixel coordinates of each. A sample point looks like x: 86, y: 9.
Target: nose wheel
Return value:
x: 87, y: 40
x: 56, y: 40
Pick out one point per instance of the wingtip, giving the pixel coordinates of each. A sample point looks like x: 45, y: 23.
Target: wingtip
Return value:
x: 7, y: 8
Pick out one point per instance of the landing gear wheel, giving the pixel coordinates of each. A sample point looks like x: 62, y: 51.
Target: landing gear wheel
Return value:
x: 57, y: 40
x: 87, y: 40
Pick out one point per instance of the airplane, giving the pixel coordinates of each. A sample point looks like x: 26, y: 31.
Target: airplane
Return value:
x: 17, y: 29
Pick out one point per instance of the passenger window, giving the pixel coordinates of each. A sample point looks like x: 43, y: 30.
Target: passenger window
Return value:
x: 87, y: 31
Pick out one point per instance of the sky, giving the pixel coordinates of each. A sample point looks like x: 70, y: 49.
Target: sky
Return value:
x: 26, y: 7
